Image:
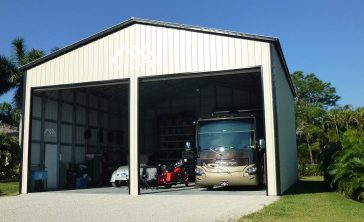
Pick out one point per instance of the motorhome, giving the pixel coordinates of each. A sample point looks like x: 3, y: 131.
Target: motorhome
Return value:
x: 230, y: 149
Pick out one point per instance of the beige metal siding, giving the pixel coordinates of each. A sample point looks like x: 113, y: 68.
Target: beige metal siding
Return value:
x: 143, y: 50
x: 285, y: 124
x: 269, y: 120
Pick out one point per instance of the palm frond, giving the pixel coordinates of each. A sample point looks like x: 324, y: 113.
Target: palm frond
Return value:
x: 34, y: 54
x: 19, y: 48
x: 8, y: 72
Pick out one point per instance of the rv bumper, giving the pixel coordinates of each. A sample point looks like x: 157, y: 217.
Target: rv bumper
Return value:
x: 207, y: 178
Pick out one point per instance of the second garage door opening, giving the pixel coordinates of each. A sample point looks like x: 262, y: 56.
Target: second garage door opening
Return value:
x: 172, y: 114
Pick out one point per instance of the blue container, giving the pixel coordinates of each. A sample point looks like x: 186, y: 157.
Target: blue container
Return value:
x: 81, y: 183
x: 39, y: 175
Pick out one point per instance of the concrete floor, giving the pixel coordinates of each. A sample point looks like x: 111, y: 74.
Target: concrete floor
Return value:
x: 113, y: 204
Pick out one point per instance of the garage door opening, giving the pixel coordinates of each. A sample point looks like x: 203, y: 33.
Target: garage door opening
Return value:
x: 79, y: 137
x: 171, y: 112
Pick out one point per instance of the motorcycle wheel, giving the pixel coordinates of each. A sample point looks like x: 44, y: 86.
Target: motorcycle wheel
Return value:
x: 185, y: 179
x: 168, y: 186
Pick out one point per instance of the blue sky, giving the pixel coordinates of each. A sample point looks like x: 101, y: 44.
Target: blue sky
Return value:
x: 324, y: 37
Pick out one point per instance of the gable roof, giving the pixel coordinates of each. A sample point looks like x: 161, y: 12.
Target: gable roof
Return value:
x: 131, y: 21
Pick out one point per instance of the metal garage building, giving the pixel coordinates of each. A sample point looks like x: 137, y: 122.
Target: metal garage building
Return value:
x: 99, y: 93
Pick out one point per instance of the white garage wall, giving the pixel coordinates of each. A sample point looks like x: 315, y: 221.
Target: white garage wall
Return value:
x: 286, y: 125
x: 145, y: 50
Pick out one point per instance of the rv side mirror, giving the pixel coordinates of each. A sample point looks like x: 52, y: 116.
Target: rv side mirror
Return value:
x: 188, y: 146
x: 261, y: 144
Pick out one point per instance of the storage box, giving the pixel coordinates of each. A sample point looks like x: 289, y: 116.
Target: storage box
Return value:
x: 81, y: 183
x: 39, y: 175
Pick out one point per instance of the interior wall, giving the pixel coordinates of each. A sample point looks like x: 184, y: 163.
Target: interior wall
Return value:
x: 286, y: 125
x: 61, y: 117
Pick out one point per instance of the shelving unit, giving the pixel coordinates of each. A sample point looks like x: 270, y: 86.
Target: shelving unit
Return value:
x: 174, y: 131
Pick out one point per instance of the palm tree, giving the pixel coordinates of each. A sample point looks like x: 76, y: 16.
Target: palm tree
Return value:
x: 7, y: 71
x: 10, y: 74
x: 358, y: 118
x: 22, y: 57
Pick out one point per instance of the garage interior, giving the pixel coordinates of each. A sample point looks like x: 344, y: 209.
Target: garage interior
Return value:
x: 169, y: 107
x: 79, y: 136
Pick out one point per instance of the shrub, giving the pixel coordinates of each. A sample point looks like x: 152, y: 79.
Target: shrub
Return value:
x: 327, y: 159
x: 309, y: 170
x: 9, y: 157
x: 347, y: 171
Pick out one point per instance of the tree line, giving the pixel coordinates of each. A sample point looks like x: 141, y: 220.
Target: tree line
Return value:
x: 330, y: 138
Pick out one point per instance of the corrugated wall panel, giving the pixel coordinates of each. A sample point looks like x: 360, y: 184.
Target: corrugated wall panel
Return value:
x: 70, y: 71
x: 219, y: 54
x: 134, y: 31
x: 145, y: 49
x: 182, y: 50
x: 107, y: 54
x: 126, y: 53
x: 63, y: 71
x: 225, y: 52
x: 251, y: 53
x: 92, y: 61
x: 57, y: 66
x: 285, y: 124
x: 231, y: 48
x: 170, y: 50
x: 188, y: 51
x: 238, y: 56
x: 212, y: 52
x: 207, y: 52
x: 35, y: 78
x: 194, y: 54
x: 151, y: 43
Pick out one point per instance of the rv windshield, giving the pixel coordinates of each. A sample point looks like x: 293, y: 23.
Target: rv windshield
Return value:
x: 225, y: 135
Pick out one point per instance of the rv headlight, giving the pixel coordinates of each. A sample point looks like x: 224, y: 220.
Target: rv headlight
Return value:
x: 250, y: 170
x: 199, y: 172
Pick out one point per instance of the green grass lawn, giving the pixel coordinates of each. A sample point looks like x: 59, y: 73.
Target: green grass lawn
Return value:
x: 310, y: 200
x: 9, y: 188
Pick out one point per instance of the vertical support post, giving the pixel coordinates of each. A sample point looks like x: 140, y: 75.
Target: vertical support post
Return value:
x: 25, y: 135
x: 99, y: 128
x: 133, y: 133
x: 269, y: 122
x: 87, y: 141
x: 59, y: 128
x: 42, y: 128
x: 74, y: 107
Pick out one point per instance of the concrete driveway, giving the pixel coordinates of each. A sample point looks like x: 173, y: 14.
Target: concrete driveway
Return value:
x: 113, y: 204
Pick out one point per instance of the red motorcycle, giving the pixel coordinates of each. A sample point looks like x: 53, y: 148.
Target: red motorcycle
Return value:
x: 173, y: 175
